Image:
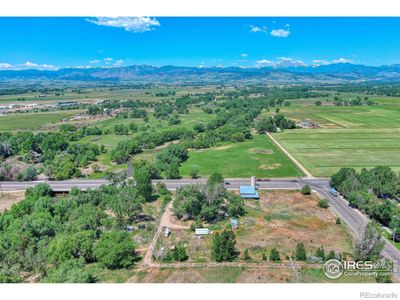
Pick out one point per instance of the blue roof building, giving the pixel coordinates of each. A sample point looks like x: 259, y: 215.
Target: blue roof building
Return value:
x: 234, y: 223
x: 248, y: 192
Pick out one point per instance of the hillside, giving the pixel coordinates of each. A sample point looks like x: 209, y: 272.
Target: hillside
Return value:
x: 333, y: 73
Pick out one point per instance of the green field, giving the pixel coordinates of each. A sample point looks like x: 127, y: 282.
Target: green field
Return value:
x: 32, y: 120
x: 258, y: 157
x: 195, y: 115
x: 111, y: 140
x: 103, y: 93
x: 358, y: 137
x: 108, y: 140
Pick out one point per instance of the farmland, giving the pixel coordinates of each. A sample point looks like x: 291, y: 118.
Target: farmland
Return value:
x: 32, y: 120
x: 362, y: 136
x: 98, y: 93
x: 258, y: 157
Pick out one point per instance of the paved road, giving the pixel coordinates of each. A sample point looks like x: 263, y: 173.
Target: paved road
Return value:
x: 172, y: 184
x: 57, y: 186
x: 352, y: 217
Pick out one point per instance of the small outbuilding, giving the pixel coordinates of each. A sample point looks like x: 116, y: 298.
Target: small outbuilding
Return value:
x: 167, y: 231
x: 248, y: 192
x: 234, y: 223
x: 203, y: 231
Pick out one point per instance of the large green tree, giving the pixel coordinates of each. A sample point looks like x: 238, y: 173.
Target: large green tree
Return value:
x: 370, y: 244
x: 223, y: 247
x: 115, y: 250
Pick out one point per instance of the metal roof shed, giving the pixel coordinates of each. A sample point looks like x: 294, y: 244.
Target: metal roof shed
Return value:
x: 249, y: 192
x: 202, y: 231
x: 234, y: 223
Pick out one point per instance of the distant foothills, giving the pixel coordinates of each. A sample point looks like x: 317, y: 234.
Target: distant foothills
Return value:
x: 333, y: 73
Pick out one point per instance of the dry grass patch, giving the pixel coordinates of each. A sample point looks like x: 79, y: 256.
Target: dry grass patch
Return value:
x: 283, y: 219
x: 261, y: 151
x: 269, y: 167
x: 9, y: 198
x: 223, y: 147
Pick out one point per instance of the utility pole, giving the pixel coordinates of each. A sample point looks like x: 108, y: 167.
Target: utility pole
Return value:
x: 394, y: 235
x: 1, y: 190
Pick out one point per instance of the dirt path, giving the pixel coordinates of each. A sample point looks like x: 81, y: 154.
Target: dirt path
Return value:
x: 248, y: 264
x: 291, y: 157
x: 165, y: 220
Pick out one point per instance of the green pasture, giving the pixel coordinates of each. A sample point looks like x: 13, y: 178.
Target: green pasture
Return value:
x: 258, y: 157
x: 324, y: 151
x: 349, y: 136
x: 32, y: 120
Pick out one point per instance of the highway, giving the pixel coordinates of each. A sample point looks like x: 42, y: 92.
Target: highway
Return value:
x: 172, y: 184
x: 354, y: 219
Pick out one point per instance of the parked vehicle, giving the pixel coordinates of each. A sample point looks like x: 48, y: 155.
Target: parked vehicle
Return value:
x: 333, y: 192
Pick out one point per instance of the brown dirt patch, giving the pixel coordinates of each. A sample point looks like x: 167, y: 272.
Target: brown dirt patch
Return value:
x: 261, y: 151
x: 9, y: 198
x: 284, y: 219
x: 222, y: 147
x: 269, y: 167
x: 256, y: 275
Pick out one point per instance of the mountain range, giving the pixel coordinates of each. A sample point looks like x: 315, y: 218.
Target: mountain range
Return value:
x: 332, y: 73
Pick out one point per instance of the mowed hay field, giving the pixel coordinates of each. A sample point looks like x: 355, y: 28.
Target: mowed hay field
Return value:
x: 357, y: 137
x: 33, y: 120
x: 256, y: 157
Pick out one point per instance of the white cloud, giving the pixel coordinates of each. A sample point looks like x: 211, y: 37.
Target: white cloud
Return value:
x: 280, y: 32
x: 319, y: 62
x: 32, y: 65
x: 244, y: 55
x: 108, y: 61
x: 281, y: 62
x: 323, y: 62
x: 27, y: 65
x: 264, y: 63
x: 119, y: 63
x: 131, y: 24
x: 342, y: 60
x: 48, y: 67
x: 6, y: 66
x: 82, y: 67
x: 289, y: 62
x: 285, y: 58
x: 254, y: 28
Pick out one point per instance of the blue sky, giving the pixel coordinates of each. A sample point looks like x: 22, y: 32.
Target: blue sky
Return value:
x: 51, y: 43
